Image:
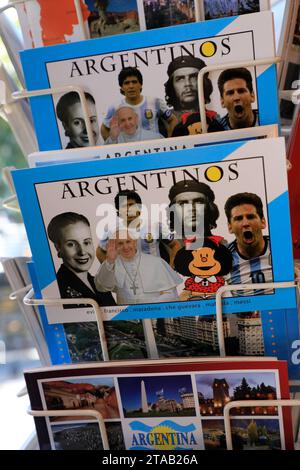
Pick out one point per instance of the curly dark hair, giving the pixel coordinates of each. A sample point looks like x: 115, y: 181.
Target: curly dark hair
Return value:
x: 129, y: 72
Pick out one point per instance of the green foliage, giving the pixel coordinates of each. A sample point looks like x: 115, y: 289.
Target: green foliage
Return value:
x: 10, y: 154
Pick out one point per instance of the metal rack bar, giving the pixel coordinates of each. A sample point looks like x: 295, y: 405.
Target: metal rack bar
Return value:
x: 30, y: 300
x: 290, y: 95
x: 20, y: 292
x: 7, y: 203
x: 78, y: 9
x: 251, y: 403
x: 12, y: 5
x: 80, y: 413
x: 147, y: 325
x: 19, y: 95
x: 213, y: 68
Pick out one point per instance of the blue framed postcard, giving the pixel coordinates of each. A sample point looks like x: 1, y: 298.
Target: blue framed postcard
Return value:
x: 154, y: 73
x: 200, y: 218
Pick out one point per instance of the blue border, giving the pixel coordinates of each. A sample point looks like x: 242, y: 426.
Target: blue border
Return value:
x: 34, y: 63
x: 54, y: 334
x: 279, y: 227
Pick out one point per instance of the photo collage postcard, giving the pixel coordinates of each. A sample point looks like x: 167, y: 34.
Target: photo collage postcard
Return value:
x: 163, y: 406
x: 137, y: 89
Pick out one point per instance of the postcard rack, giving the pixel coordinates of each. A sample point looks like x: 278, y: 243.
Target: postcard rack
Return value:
x: 148, y: 330
x: 226, y: 415
x: 29, y: 299
x: 76, y: 413
x: 147, y: 326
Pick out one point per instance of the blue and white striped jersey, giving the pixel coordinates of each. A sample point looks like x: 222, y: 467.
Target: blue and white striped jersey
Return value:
x: 250, y: 271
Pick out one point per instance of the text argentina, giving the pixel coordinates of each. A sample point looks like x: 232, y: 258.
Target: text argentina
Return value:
x: 164, y: 439
x: 140, y: 180
x: 145, y: 57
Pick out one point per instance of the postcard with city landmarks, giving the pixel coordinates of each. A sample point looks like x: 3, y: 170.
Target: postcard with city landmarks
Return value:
x: 42, y: 25
x: 223, y: 208
x: 159, y: 405
x: 143, y: 86
x: 160, y: 13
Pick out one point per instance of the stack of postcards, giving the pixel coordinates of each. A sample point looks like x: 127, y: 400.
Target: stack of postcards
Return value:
x: 157, y: 212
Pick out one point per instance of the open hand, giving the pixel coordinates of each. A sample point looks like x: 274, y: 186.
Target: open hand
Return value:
x: 111, y: 251
x: 114, y: 128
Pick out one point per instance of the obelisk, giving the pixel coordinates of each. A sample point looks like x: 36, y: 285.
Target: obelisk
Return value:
x: 144, y: 398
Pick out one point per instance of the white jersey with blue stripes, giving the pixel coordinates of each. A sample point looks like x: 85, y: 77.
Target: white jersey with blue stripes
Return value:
x: 251, y: 271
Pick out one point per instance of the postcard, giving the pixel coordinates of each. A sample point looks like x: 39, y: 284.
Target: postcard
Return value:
x: 46, y: 23
x: 218, y: 9
x: 172, y: 210
x: 144, y: 87
x: 138, y: 149
x: 158, y: 13
x: 162, y: 405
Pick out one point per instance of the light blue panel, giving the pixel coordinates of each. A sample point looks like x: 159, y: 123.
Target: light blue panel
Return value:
x: 54, y: 334
x: 293, y: 334
x: 280, y: 231
x: 35, y: 231
x: 130, y: 41
x: 267, y: 96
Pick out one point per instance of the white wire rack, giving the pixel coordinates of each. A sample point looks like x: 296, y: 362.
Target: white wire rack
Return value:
x: 30, y: 300
x: 58, y: 90
x: 10, y: 203
x: 78, y: 414
x: 244, y: 287
x: 147, y: 325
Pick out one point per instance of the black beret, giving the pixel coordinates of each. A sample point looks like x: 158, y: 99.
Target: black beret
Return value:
x: 185, y: 186
x: 185, y: 61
